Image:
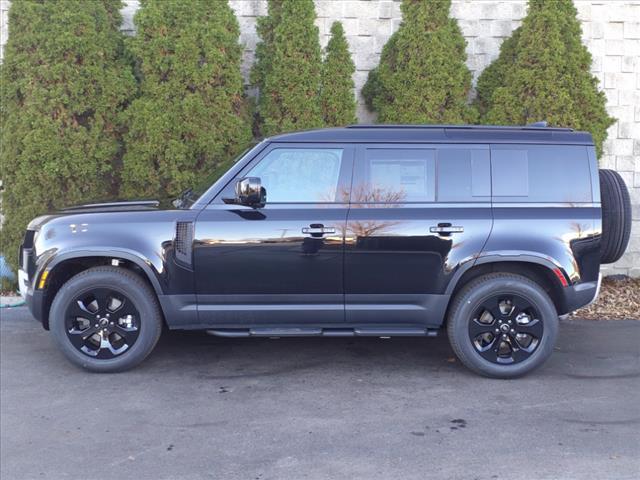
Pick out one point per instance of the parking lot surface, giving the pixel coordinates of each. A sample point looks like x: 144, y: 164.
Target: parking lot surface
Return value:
x: 328, y: 408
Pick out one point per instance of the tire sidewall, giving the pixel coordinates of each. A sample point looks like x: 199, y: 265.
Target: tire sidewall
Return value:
x: 472, y: 299
x: 143, y: 300
x: 616, y: 216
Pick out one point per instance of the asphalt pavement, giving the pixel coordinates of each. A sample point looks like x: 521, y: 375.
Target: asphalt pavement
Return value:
x: 203, y: 407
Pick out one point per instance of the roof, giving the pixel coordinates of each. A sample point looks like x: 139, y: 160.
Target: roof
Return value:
x: 440, y: 134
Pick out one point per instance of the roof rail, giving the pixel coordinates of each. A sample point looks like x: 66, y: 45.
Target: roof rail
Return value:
x: 533, y: 126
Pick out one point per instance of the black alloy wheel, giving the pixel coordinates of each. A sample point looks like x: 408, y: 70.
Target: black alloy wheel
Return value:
x: 502, y: 325
x: 506, y: 329
x: 106, y: 319
x: 102, y: 323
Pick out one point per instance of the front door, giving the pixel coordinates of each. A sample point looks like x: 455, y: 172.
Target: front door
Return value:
x: 417, y: 213
x: 282, y: 263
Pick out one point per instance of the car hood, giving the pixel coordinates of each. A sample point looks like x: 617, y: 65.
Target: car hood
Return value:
x: 130, y: 205
x: 125, y: 206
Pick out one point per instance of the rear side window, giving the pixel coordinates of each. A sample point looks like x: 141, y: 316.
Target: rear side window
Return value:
x: 463, y: 175
x: 422, y: 175
x: 395, y: 175
x: 540, y: 173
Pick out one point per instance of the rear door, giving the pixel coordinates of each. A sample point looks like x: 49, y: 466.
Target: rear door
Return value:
x: 418, y: 212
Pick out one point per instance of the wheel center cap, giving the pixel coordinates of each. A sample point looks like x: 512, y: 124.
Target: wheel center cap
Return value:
x: 504, y: 327
x: 104, y: 322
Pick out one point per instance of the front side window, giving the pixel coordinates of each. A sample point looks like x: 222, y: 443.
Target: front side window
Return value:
x: 300, y: 175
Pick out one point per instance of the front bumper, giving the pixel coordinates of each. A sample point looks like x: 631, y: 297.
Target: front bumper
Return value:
x: 33, y: 298
x: 23, y: 283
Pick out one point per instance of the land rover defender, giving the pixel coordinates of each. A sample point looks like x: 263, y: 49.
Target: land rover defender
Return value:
x: 489, y: 233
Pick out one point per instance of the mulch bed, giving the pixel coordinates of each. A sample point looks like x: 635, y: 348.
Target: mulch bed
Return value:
x: 619, y: 299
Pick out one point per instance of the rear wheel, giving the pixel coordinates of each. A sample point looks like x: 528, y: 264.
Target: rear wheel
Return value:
x: 106, y: 319
x: 502, y: 325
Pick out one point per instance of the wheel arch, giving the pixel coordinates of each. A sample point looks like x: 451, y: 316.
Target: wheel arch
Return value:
x: 540, y: 270
x: 65, y: 266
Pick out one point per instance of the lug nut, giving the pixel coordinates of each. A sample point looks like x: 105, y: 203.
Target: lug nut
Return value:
x: 513, y: 331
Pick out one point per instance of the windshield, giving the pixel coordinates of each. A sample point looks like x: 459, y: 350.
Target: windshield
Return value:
x: 191, y: 195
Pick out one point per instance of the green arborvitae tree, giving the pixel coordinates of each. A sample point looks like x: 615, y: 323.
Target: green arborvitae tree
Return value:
x: 422, y: 76
x: 265, y: 27
x: 493, y: 76
x: 113, y: 12
x: 288, y: 67
x: 63, y: 83
x: 544, y: 74
x: 337, y: 98
x: 191, y: 114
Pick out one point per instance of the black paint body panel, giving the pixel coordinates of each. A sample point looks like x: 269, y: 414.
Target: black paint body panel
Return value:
x: 252, y: 265
x: 381, y: 266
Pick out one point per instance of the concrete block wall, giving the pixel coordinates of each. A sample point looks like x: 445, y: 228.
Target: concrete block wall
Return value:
x: 611, y: 31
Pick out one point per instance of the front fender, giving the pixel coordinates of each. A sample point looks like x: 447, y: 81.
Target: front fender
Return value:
x: 151, y: 270
x: 144, y: 237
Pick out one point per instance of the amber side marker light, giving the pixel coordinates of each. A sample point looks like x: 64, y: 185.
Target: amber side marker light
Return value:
x: 43, y: 279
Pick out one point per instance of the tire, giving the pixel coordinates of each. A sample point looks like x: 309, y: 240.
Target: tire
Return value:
x: 470, y: 301
x: 135, y: 335
x: 616, y: 216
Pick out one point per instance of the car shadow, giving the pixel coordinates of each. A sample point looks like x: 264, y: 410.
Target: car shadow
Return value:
x: 230, y: 358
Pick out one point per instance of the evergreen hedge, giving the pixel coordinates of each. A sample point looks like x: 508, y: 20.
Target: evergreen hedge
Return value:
x: 493, y: 75
x: 543, y: 73
x: 287, y: 72
x: 422, y: 76
x: 63, y: 83
x: 337, y: 98
x: 191, y: 114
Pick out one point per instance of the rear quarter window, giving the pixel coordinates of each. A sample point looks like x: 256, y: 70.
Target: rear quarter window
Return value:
x: 540, y: 174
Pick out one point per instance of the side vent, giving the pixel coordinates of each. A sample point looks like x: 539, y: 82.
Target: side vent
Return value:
x: 183, y: 244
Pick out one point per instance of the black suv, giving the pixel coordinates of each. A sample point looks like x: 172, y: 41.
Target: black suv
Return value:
x: 493, y: 232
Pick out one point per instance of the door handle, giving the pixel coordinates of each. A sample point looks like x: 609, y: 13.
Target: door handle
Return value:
x: 318, y: 230
x: 446, y: 229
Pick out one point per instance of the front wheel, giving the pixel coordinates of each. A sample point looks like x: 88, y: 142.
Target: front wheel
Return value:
x: 106, y: 319
x: 502, y: 325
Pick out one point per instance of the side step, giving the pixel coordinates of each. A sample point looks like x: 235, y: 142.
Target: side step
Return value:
x: 324, y: 332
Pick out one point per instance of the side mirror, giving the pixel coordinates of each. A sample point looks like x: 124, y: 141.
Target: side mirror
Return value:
x: 250, y: 192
